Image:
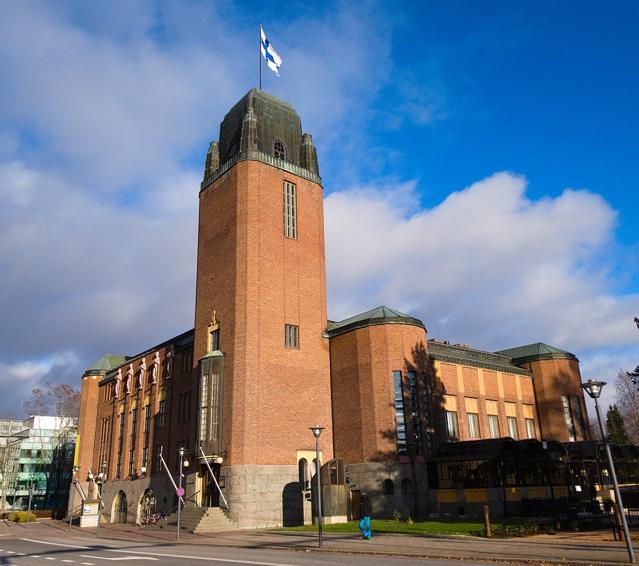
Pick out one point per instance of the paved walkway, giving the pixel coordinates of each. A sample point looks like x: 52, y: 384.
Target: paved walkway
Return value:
x: 596, y: 547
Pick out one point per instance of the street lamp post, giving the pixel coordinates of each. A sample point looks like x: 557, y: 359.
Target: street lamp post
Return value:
x: 593, y: 388
x: 183, y: 464
x: 100, y: 485
x: 75, y: 470
x: 30, y: 497
x: 317, y: 431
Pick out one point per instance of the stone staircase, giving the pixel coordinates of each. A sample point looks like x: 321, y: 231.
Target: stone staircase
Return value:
x: 203, y: 520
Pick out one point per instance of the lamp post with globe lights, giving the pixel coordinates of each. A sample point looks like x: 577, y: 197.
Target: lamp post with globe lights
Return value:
x: 184, y: 463
x: 317, y: 431
x: 593, y: 388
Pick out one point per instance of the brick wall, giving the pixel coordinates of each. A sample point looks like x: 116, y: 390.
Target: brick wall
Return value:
x: 362, y: 362
x: 256, y: 280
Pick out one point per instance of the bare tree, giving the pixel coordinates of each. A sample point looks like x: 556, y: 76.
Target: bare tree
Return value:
x: 58, y: 400
x: 628, y: 403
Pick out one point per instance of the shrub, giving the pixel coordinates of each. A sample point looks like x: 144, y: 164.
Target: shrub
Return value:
x: 397, y: 516
x: 21, y: 517
x: 410, y: 520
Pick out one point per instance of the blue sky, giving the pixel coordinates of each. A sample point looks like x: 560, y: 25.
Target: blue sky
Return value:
x: 490, y: 149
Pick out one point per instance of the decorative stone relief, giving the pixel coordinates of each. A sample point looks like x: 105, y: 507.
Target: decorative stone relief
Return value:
x: 141, y: 374
x: 155, y: 364
x: 169, y: 365
x: 118, y: 384
x: 127, y: 382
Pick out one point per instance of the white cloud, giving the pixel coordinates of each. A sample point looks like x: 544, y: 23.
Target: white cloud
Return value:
x: 487, y: 266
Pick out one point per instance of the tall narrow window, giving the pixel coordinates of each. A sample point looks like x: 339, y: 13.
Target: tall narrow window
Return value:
x: 570, y: 423
x: 513, y: 430
x: 473, y: 425
x: 134, y: 423
x: 215, y: 339
x: 291, y: 336
x: 414, y: 411
x: 161, y: 413
x: 530, y: 428
x: 118, y: 469
x: 400, y: 420
x: 450, y: 409
x: 290, y: 210
x: 451, y: 424
x: 493, y: 426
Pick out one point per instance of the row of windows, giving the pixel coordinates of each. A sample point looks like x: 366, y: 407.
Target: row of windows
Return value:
x: 417, y: 411
x: 474, y: 430
x: 184, y: 415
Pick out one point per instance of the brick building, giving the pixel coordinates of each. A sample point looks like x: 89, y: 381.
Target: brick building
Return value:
x: 263, y: 364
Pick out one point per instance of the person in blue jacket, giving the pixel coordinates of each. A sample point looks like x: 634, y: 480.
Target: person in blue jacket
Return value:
x: 365, y: 509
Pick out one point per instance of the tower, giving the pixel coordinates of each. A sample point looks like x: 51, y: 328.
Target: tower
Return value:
x: 260, y: 315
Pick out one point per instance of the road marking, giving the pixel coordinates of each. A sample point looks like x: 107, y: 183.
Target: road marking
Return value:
x: 48, y: 558
x: 122, y: 558
x: 58, y: 544
x: 71, y: 561
x: 161, y: 554
x: 9, y: 552
x: 87, y: 563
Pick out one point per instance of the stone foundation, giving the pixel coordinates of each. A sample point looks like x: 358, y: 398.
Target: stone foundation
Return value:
x: 370, y: 477
x: 263, y: 496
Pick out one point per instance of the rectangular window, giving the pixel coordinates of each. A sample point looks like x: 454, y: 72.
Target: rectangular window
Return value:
x: 473, y: 425
x: 291, y: 336
x: 452, y: 426
x: 414, y: 411
x: 530, y: 428
x: 186, y: 361
x: 576, y: 407
x: 290, y: 210
x: 400, y: 421
x: 570, y: 423
x: 162, y: 413
x: 214, y: 340
x: 513, y: 431
x: 493, y: 426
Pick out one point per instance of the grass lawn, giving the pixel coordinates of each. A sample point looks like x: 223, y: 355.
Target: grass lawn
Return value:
x: 513, y: 527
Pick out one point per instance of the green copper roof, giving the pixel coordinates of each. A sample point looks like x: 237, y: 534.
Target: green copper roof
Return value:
x: 465, y: 356
x: 534, y: 352
x: 213, y: 354
x: 106, y: 363
x: 379, y: 315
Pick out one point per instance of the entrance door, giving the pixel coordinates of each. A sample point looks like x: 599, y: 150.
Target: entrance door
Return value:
x: 211, y: 493
x: 121, y: 509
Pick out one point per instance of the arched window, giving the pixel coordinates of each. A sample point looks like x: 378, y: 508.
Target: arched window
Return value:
x: 388, y: 488
x: 303, y: 473
x: 279, y: 150
x: 407, y: 487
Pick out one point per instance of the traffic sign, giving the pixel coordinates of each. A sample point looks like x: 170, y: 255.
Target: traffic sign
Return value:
x: 180, y: 492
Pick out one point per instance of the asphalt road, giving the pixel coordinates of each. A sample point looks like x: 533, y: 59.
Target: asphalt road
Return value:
x: 21, y: 550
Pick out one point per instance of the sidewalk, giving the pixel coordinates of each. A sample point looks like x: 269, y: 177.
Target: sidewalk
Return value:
x: 596, y: 547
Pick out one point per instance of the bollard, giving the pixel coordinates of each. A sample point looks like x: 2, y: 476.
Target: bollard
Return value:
x: 487, y: 530
x: 619, y: 529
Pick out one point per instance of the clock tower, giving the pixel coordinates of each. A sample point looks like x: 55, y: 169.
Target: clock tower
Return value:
x: 260, y: 316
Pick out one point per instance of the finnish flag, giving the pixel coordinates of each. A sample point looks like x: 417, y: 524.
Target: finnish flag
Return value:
x: 273, y: 60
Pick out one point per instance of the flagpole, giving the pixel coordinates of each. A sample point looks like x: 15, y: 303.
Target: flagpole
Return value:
x: 259, y: 52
